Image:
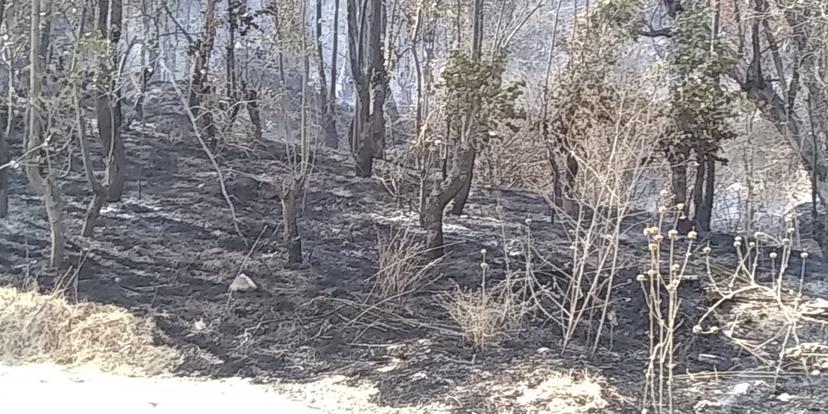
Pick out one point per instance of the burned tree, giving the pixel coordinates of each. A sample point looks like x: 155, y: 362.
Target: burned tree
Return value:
x: 365, y: 34
x: 327, y: 96
x: 201, y: 50
x: 700, y: 112
x: 39, y: 170
x: 108, y: 98
x: 475, y: 101
x: 299, y: 158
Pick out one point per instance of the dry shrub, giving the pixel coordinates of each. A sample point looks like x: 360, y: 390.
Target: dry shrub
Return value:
x: 402, y: 267
x: 767, y: 312
x: 38, y: 328
x: 488, y: 314
x: 758, y: 304
x: 597, y: 211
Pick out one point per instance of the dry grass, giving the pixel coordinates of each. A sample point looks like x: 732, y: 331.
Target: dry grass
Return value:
x: 402, y: 267
x: 487, y: 315
x: 38, y: 328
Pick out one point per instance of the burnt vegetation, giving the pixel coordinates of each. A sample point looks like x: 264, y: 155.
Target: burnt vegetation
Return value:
x: 454, y: 202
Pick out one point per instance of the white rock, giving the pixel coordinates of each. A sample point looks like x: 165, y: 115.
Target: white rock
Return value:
x: 784, y: 397
x: 242, y: 283
x: 741, y: 388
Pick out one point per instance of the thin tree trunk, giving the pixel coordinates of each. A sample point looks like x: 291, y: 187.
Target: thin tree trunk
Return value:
x: 334, y: 56
x: 477, y: 50
x: 290, y: 211
x: 356, y: 17
x: 463, y: 194
x: 5, y: 158
x: 698, y: 190
x: 328, y: 122
x: 705, y: 214
x: 374, y: 133
x: 5, y: 155
x: 108, y: 102
x: 231, y: 87
x: 431, y: 217
x: 200, y: 71
x: 99, y: 191
x: 45, y: 186
x: 252, y: 101
x: 150, y: 54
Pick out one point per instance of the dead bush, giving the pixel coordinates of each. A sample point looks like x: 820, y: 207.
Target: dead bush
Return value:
x: 38, y: 328
x: 403, y: 268
x: 487, y: 315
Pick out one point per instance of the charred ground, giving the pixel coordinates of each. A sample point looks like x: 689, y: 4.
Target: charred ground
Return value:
x: 169, y: 250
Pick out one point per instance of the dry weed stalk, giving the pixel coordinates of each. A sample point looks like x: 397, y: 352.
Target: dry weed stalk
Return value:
x: 786, y: 311
x: 779, y: 341
x: 665, y: 274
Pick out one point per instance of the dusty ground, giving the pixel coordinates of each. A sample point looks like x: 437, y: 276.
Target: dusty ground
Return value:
x: 92, y: 392
x: 169, y: 251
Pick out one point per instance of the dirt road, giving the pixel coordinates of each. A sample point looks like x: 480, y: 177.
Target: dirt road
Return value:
x: 46, y: 388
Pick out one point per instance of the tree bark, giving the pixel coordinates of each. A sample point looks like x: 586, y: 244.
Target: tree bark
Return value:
x: 45, y: 186
x: 108, y: 99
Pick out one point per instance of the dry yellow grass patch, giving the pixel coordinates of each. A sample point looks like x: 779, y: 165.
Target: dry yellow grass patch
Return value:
x: 37, y: 328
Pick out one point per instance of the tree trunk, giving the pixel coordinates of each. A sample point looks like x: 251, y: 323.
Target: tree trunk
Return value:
x: 376, y: 79
x: 705, y: 216
x: 368, y: 126
x: 328, y: 121
x: 149, y: 54
x: 108, y: 99
x: 698, y: 190
x: 291, y: 237
x: 477, y: 49
x: 45, y: 186
x: 231, y: 87
x: 431, y: 219
x: 5, y: 158
x: 355, y: 53
x: 200, y: 71
x: 252, y: 100
x: 463, y: 194
x: 5, y: 155
x: 431, y: 215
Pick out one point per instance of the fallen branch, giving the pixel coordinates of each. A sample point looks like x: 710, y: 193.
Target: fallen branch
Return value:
x: 207, y: 151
